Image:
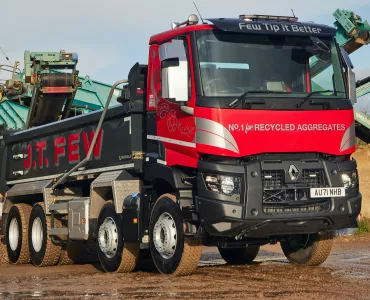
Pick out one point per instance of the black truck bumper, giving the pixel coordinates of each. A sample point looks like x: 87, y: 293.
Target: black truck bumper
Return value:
x: 271, y: 204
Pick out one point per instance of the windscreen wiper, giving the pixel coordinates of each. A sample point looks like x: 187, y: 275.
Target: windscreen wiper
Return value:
x: 242, y: 96
x: 309, y: 96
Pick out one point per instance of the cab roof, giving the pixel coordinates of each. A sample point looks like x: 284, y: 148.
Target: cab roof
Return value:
x: 265, y: 27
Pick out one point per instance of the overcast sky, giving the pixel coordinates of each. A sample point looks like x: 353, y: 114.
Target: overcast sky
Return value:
x: 111, y: 35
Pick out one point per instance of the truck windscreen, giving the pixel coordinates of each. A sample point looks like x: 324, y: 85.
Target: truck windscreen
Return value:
x: 233, y: 63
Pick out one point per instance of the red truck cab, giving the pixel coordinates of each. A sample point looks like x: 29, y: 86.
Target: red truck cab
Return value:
x: 257, y: 112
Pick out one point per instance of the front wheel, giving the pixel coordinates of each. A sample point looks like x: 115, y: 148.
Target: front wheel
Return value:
x: 239, y: 256
x: 309, y: 250
x: 171, y: 251
x: 114, y: 254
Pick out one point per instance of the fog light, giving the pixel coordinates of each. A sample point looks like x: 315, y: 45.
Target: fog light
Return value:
x: 254, y: 212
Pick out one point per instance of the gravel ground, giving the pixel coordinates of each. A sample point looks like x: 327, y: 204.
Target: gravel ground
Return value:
x: 345, y: 275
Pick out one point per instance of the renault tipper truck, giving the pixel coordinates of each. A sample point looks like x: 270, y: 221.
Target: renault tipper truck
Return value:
x: 236, y: 133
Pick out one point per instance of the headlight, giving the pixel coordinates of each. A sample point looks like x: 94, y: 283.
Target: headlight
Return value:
x: 227, y: 185
x: 350, y: 179
x: 346, y: 180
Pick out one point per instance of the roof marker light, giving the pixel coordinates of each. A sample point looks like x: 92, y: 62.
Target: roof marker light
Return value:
x: 249, y: 18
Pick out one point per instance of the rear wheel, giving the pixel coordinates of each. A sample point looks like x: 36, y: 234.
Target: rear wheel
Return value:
x: 309, y: 250
x: 17, y: 234
x: 238, y: 256
x: 4, y: 259
x: 114, y: 255
x: 172, y: 252
x: 70, y: 252
x: 43, y: 251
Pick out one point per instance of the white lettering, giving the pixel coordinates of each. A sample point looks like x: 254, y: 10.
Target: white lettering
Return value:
x: 256, y: 27
x: 279, y: 27
x: 285, y: 27
x: 295, y: 28
x: 286, y: 127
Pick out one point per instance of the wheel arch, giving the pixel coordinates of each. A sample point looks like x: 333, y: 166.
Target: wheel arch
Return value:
x: 26, y: 199
x: 171, y: 175
x: 115, y: 186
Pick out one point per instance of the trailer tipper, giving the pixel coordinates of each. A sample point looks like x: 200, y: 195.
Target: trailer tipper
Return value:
x: 237, y: 133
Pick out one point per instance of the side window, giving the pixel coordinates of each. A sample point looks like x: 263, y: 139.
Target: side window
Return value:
x: 326, y: 72
x: 323, y: 80
x: 175, y: 70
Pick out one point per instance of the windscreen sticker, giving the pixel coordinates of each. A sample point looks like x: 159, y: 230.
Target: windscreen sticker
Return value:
x: 285, y: 127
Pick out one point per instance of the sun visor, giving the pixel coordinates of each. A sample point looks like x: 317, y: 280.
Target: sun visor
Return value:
x: 268, y: 27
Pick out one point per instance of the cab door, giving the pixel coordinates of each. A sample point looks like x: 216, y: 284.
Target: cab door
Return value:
x: 172, y: 93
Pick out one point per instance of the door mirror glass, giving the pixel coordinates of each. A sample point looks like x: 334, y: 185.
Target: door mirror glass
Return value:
x: 351, y: 77
x: 174, y: 71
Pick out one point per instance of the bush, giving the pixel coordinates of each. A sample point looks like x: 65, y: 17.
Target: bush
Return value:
x: 360, y: 142
x: 363, y: 227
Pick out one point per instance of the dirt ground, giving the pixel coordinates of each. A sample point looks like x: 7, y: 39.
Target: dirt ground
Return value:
x: 345, y: 275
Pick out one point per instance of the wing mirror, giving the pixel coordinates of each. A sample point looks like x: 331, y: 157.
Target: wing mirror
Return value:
x: 174, y: 71
x: 350, y: 78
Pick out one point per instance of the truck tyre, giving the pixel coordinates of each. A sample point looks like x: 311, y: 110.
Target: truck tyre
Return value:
x: 145, y: 262
x: 70, y: 253
x: 239, y: 256
x: 309, y: 250
x: 172, y: 252
x: 114, y: 255
x: 17, y: 234
x: 42, y: 249
x: 4, y: 259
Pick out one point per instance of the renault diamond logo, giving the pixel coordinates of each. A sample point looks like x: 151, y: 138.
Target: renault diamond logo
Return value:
x: 293, y: 172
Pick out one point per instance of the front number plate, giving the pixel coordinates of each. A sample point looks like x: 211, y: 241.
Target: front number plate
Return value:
x: 327, y: 192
